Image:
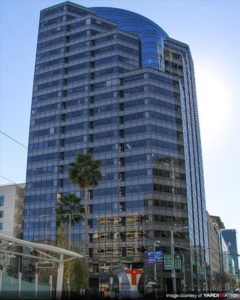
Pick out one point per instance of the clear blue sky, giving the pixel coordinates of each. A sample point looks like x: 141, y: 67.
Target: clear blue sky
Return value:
x: 212, y: 30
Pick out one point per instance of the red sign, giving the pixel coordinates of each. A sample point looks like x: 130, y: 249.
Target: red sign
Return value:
x: 135, y: 274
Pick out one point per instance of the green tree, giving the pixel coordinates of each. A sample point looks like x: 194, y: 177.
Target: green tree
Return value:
x: 78, y: 274
x: 85, y: 172
x: 68, y: 211
x: 69, y: 205
x: 74, y: 270
x: 62, y: 243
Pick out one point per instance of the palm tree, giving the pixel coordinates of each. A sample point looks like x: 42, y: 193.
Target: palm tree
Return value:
x: 69, y: 211
x: 85, y: 172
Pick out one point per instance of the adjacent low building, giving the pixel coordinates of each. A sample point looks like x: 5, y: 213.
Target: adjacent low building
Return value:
x: 214, y: 249
x: 221, y: 254
x: 11, y: 209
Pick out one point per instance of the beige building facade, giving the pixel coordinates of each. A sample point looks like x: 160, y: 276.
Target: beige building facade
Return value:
x: 11, y: 209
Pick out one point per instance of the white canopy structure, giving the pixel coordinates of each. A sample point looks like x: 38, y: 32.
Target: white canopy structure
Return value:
x: 48, y: 253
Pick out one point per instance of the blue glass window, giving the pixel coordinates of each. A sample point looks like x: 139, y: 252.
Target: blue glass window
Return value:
x: 135, y: 204
x: 1, y: 200
x: 150, y: 34
x: 53, y: 42
x: 52, y: 21
x: 48, y: 74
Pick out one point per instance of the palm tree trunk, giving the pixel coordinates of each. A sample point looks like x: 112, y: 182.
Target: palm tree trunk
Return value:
x: 69, y: 247
x: 69, y: 230
x: 86, y: 197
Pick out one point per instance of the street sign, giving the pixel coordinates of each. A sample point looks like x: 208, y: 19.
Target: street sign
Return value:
x: 201, y: 270
x: 152, y: 283
x: 159, y: 256
x: 150, y: 258
x: 44, y: 264
x: 167, y: 262
x: 178, y: 263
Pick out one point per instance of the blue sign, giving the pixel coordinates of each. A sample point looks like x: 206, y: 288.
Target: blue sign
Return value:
x: 153, y: 257
x: 158, y: 256
x: 150, y: 258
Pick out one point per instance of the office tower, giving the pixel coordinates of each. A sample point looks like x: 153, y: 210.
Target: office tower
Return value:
x: 113, y: 83
x: 230, y: 238
x: 11, y: 209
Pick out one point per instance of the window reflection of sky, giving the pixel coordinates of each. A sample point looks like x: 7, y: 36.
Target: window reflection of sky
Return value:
x: 150, y: 34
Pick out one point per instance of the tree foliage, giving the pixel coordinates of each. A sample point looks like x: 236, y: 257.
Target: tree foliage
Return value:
x: 74, y: 270
x: 78, y: 275
x: 85, y: 172
x: 69, y: 205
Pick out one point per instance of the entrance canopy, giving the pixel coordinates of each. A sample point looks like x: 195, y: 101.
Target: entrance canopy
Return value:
x: 41, y: 247
x: 48, y: 253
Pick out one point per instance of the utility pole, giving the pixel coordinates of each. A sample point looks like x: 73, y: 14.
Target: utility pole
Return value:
x: 184, y: 271
x: 156, y: 243
x: 173, y: 272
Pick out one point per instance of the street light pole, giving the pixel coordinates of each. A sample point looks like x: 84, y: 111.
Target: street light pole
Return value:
x: 184, y: 271
x: 205, y: 269
x: 173, y: 272
x: 156, y: 243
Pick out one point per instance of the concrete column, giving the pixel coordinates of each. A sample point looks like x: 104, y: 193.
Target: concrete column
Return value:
x: 19, y: 283
x: 50, y: 285
x: 1, y: 276
x: 36, y: 285
x: 60, y: 277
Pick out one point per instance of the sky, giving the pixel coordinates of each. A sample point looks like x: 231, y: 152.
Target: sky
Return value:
x: 212, y: 30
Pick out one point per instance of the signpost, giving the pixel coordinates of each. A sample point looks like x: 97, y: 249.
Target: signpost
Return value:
x: 201, y: 270
x: 178, y: 263
x: 153, y: 257
x: 44, y: 265
x: 159, y: 256
x: 167, y: 262
x: 150, y: 258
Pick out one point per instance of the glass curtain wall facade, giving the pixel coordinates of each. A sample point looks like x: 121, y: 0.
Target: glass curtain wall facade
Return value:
x: 230, y: 237
x: 111, y: 82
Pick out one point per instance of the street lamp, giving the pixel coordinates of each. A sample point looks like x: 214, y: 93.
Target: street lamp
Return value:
x: 173, y: 273
x: 156, y: 244
x: 184, y: 271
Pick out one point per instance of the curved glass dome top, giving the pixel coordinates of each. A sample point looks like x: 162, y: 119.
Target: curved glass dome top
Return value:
x: 150, y: 34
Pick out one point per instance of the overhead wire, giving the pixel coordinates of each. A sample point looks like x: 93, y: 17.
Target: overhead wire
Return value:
x: 11, y: 138
x: 17, y: 142
x: 8, y: 179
